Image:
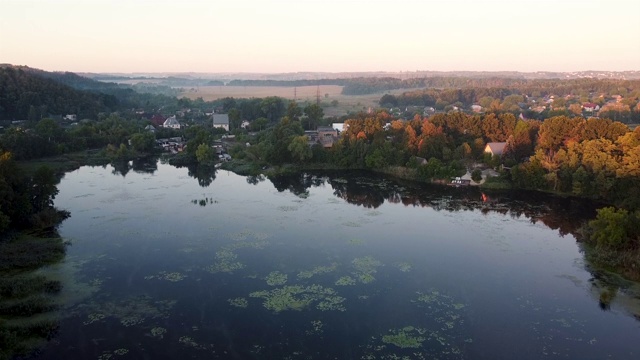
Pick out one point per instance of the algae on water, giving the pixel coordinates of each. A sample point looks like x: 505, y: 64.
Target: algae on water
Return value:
x: 407, y: 337
x: 307, y: 274
x: 364, y: 268
x: 226, y: 259
x: 297, y: 297
x: 129, y: 312
x: 168, y: 276
x: 404, y: 266
x: 239, y: 302
x: 346, y: 281
x: 276, y: 278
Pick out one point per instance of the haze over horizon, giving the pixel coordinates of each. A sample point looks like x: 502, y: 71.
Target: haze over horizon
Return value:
x: 285, y: 36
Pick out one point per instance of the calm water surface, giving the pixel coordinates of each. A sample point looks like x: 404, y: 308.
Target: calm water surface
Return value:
x: 324, y: 267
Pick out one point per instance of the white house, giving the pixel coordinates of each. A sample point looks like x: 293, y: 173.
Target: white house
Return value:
x: 245, y: 124
x: 171, y: 123
x: 221, y: 121
x: 476, y: 108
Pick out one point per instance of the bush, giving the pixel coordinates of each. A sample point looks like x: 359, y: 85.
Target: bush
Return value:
x: 613, y: 229
x: 476, y: 175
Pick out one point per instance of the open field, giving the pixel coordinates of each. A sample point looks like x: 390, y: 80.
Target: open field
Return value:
x: 303, y: 94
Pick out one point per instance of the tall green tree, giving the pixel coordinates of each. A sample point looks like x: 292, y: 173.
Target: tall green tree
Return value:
x: 143, y: 142
x: 314, y: 116
x: 204, y: 154
x: 272, y: 108
x: 300, y: 149
x: 293, y: 111
x: 43, y: 188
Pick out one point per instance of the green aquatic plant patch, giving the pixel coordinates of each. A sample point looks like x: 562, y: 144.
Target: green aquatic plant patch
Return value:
x: 297, y: 297
x: 276, y: 278
x: 307, y: 274
x: 407, y: 337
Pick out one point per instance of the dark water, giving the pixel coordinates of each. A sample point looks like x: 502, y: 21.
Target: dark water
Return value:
x: 325, y: 266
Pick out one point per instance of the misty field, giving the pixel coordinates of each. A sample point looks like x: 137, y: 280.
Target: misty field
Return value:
x: 331, y: 98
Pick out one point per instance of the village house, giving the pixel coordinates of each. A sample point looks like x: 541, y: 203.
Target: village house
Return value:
x: 476, y: 108
x: 495, y: 148
x: 327, y: 135
x: 590, y: 107
x: 324, y: 135
x: 428, y: 110
x: 421, y: 161
x: 539, y: 108
x: 157, y: 120
x: 171, y: 123
x: 338, y: 126
x: 221, y: 121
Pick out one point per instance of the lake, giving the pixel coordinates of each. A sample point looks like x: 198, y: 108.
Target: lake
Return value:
x: 165, y: 262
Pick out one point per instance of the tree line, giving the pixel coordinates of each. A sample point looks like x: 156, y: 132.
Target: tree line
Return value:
x: 594, y: 158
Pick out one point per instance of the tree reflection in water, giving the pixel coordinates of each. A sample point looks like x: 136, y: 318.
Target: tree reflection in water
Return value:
x: 204, y: 174
x: 567, y: 215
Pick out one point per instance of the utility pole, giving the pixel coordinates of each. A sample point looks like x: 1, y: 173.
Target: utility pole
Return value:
x: 295, y: 94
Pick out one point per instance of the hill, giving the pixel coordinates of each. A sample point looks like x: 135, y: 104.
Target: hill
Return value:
x: 27, y: 93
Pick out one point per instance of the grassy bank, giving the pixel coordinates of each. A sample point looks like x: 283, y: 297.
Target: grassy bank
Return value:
x: 496, y: 183
x: 625, y: 263
x: 248, y: 168
x: 66, y: 162
x: 61, y: 164
x: 400, y: 172
x: 26, y: 299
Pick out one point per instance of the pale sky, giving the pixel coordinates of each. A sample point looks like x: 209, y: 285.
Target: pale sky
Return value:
x: 320, y: 35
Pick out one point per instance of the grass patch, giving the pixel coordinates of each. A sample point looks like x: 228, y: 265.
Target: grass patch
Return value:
x: 21, y: 340
x: 242, y: 167
x: 26, y: 252
x: 623, y: 262
x: 29, y: 306
x: 23, y: 285
x: 496, y: 183
x: 26, y: 299
x: 400, y: 172
x: 66, y: 162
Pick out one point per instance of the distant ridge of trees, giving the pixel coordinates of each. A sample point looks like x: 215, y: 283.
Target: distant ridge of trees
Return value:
x: 32, y: 94
x: 372, y: 85
x: 25, y: 95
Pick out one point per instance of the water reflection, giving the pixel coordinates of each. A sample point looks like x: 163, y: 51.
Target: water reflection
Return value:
x: 566, y: 215
x: 297, y: 184
x: 204, y: 174
x: 241, y: 272
x: 255, y: 179
x: 371, y: 191
x: 147, y: 165
x: 121, y: 168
